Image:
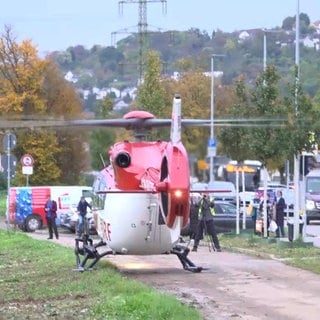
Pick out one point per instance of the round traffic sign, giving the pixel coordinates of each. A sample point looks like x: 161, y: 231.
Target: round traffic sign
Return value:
x: 27, y: 160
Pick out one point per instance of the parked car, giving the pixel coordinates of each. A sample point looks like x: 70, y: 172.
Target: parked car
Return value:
x: 220, y: 190
x: 70, y: 220
x: 223, y: 190
x: 225, y: 219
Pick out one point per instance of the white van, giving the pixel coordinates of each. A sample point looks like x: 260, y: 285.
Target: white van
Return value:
x: 26, y: 204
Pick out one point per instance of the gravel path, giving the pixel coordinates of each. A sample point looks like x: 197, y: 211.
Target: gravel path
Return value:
x: 234, y: 286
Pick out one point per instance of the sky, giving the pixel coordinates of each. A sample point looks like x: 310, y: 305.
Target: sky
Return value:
x: 55, y: 25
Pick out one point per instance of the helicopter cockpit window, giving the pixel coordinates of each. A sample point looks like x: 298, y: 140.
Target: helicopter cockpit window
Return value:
x: 87, y: 193
x: 98, y: 201
x: 99, y: 184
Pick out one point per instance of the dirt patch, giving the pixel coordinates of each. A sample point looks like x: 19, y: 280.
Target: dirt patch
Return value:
x: 233, y: 286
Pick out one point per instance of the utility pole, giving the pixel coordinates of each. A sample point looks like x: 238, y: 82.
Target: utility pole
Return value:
x: 296, y: 168
x: 212, y: 145
x: 142, y: 29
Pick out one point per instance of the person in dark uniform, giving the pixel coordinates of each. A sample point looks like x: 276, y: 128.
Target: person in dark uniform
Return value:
x: 51, y: 214
x: 82, y: 212
x: 280, y: 206
x: 194, y: 209
x: 256, y: 180
x: 206, y: 223
x: 191, y: 228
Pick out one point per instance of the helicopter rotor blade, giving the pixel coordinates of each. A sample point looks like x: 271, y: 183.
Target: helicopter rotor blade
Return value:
x: 138, y: 123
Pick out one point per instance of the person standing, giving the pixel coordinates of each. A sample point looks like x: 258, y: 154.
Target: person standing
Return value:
x: 280, y: 206
x: 194, y: 209
x: 206, y: 223
x: 255, y: 203
x: 51, y: 214
x: 269, y: 207
x: 190, y: 229
x: 82, y: 212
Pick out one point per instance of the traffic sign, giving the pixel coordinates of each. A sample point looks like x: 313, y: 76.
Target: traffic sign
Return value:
x: 212, y: 142
x: 212, y: 147
x: 9, y: 141
x: 27, y: 170
x: 27, y: 160
x: 8, y: 163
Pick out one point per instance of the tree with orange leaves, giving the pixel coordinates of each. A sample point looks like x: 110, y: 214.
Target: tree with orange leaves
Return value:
x: 31, y: 87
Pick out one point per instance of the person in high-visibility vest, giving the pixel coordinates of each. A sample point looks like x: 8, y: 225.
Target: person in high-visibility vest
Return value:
x: 206, y: 213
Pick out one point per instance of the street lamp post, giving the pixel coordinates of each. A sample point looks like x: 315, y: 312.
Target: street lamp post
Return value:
x: 264, y: 49
x: 212, y: 143
x: 296, y: 168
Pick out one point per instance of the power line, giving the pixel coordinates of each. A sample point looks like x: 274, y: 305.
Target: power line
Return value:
x: 142, y: 28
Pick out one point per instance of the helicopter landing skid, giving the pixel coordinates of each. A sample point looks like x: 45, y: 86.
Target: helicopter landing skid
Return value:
x: 182, y: 252
x: 84, y: 247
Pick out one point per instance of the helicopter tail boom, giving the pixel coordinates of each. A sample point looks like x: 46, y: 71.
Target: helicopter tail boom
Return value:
x: 175, y: 135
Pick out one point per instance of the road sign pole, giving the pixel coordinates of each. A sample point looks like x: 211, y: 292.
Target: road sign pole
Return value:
x: 8, y: 184
x: 9, y: 142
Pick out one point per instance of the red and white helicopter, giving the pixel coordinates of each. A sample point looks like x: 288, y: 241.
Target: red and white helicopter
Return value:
x: 144, y: 191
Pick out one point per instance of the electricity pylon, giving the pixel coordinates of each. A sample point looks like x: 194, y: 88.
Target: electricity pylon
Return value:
x: 142, y: 28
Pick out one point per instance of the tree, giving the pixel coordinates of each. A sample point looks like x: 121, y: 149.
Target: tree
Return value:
x: 21, y: 75
x: 44, y: 148
x: 304, y: 19
x: 288, y: 23
x: 194, y: 88
x: 271, y: 145
x: 262, y: 143
x: 235, y: 144
x: 268, y: 143
x: 151, y: 94
x: 62, y: 100
x: 101, y: 139
x: 303, y: 123
x: 34, y: 88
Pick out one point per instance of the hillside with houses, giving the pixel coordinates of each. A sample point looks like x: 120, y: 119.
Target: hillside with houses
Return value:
x: 113, y: 71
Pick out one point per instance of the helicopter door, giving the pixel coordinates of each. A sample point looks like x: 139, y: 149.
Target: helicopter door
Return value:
x: 153, y: 212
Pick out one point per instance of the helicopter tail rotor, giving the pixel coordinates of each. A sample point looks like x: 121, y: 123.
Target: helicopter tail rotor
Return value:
x: 174, y: 186
x: 174, y: 174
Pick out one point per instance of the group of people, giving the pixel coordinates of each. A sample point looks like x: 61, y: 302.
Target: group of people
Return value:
x: 51, y: 215
x: 202, y: 217
x: 202, y: 221
x: 275, y: 212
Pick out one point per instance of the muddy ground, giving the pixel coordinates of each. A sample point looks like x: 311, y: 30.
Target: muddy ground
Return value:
x: 233, y: 286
